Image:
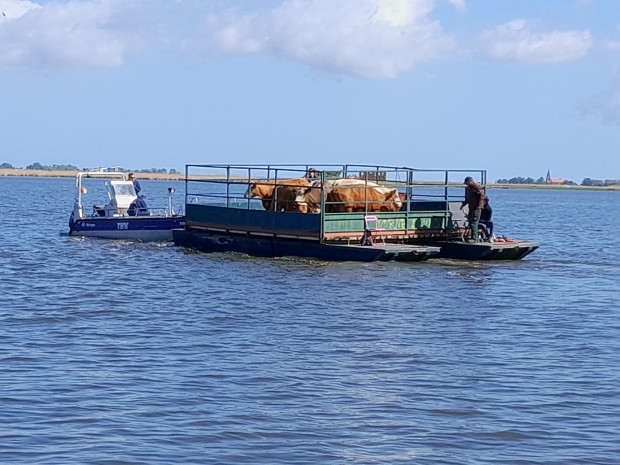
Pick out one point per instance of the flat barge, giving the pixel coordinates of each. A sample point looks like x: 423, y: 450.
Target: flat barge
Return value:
x: 348, y: 212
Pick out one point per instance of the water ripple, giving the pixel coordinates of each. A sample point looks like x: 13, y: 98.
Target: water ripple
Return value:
x: 115, y: 352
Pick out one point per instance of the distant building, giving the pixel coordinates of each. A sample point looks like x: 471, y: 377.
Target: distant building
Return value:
x: 550, y: 180
x: 373, y: 175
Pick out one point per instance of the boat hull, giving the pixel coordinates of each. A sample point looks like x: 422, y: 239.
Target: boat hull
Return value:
x: 272, y: 246
x: 129, y: 228
x: 485, y: 250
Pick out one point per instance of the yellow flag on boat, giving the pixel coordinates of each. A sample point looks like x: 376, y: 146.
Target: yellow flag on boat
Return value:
x: 84, y: 191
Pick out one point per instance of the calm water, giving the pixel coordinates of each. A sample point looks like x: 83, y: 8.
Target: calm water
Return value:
x: 129, y: 353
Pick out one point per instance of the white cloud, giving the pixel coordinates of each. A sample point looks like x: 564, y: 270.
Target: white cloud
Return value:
x: 362, y: 38
x: 57, y: 35
x: 613, y: 45
x: 459, y: 5
x: 395, y: 12
x: 11, y: 9
x: 366, y: 38
x: 517, y: 42
x: 605, y: 105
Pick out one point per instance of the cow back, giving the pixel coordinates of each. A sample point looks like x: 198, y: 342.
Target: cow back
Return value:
x: 363, y: 198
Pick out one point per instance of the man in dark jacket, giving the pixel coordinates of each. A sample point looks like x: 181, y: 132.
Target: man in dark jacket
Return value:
x: 474, y: 199
x: 138, y: 207
x: 136, y: 184
x: 486, y: 225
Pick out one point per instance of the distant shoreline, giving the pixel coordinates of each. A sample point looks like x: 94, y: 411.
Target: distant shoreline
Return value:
x: 181, y: 177
x: 73, y: 174
x: 551, y: 186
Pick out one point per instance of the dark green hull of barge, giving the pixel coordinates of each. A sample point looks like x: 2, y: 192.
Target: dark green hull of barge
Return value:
x: 272, y: 234
x: 485, y: 250
x: 274, y: 246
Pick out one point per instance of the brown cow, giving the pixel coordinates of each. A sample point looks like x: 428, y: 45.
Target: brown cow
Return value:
x: 263, y: 191
x: 363, y: 198
x: 308, y: 199
x: 284, y: 194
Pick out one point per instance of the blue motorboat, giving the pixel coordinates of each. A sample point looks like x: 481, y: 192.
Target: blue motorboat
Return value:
x: 122, y: 215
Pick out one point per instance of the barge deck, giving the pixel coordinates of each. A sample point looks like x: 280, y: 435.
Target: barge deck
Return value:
x: 274, y: 211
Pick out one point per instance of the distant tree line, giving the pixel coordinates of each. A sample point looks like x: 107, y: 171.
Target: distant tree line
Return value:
x: 520, y: 180
x: 541, y: 180
x: 147, y: 170
x: 598, y: 182
x: 39, y: 166
x: 515, y: 180
x: 156, y: 170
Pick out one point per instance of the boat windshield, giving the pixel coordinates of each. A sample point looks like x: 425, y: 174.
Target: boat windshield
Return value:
x: 123, y: 188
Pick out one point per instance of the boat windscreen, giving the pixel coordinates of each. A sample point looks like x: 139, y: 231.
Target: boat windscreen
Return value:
x: 123, y: 188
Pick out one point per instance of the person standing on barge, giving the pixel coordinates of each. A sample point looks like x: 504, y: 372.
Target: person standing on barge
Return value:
x: 474, y: 199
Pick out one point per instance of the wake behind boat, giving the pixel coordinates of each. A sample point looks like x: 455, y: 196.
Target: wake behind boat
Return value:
x: 123, y: 215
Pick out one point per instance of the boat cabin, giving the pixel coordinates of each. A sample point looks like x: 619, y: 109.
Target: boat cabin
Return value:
x: 120, y: 194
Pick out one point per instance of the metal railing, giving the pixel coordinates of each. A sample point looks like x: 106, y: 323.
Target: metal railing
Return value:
x: 228, y: 185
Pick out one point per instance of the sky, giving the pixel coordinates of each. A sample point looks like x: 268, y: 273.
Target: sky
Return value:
x: 512, y: 87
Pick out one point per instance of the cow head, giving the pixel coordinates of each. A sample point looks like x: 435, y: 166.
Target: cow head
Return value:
x: 251, y: 192
x: 260, y: 190
x: 393, y: 201
x: 300, y: 205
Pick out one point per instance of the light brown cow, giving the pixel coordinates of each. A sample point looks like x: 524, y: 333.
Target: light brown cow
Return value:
x: 364, y: 198
x: 263, y: 191
x: 354, y: 195
x: 283, y: 190
x: 308, y: 198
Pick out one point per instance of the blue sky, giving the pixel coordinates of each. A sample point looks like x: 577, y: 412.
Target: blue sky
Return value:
x: 513, y: 87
